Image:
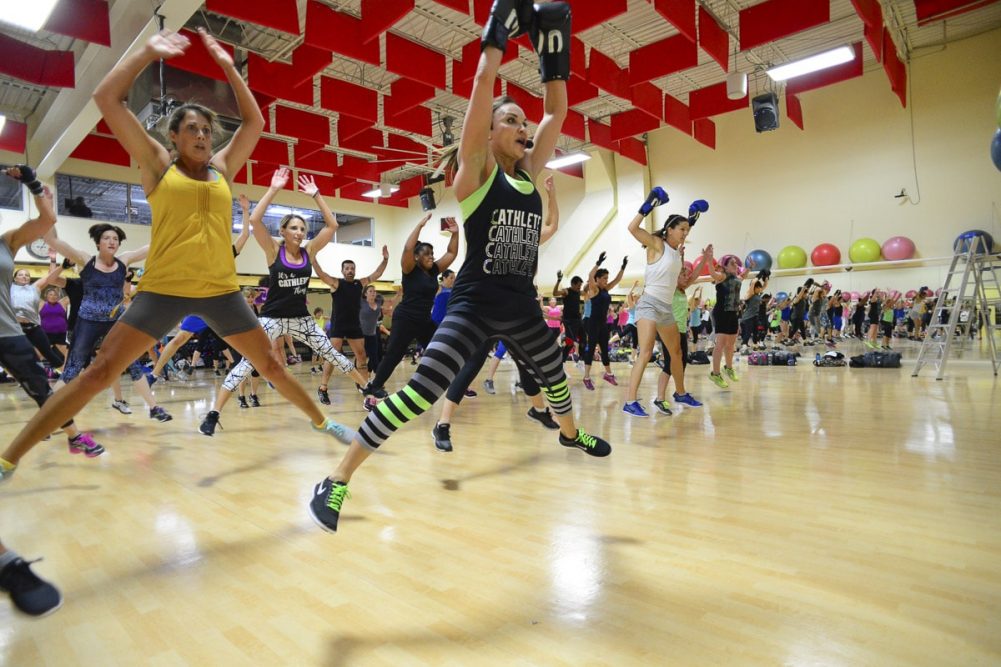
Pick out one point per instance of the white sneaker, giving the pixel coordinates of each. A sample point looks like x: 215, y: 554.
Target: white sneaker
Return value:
x: 122, y: 406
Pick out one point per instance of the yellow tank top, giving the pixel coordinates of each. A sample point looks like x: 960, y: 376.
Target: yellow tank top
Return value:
x: 190, y: 252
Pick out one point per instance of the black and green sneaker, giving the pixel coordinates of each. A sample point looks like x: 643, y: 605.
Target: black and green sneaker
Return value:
x: 325, y: 506
x: 590, y: 444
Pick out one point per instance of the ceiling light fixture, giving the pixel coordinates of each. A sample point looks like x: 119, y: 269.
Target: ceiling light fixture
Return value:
x: 567, y: 160
x: 381, y: 191
x: 3, y: 121
x: 838, y: 56
x: 28, y: 15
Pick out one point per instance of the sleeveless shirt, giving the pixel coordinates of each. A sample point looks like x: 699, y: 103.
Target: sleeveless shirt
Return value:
x: 102, y: 291
x: 571, y: 306
x: 661, y: 277
x: 287, y: 293
x: 346, y: 304
x: 419, y: 289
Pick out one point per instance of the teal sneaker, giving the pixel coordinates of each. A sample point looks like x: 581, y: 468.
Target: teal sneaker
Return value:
x: 339, y: 431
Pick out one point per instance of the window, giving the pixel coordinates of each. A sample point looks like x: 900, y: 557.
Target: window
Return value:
x: 352, y: 229
x: 10, y: 194
x: 84, y: 197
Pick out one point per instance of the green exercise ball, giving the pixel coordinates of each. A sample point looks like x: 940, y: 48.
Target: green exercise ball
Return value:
x: 865, y: 250
x: 792, y: 257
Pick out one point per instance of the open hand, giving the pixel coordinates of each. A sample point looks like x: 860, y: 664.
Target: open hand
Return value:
x: 167, y: 44
x: 308, y: 185
x: 280, y: 178
x: 219, y: 54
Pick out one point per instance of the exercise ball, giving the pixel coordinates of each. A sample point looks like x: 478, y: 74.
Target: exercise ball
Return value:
x: 897, y: 248
x: 826, y: 254
x: 996, y: 149
x: 780, y: 297
x: 707, y: 269
x: 962, y: 242
x: 911, y: 293
x: 864, y: 295
x: 689, y: 265
x: 864, y: 250
x: 759, y: 259
x: 792, y: 257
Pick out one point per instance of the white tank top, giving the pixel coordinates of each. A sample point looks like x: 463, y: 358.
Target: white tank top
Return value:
x: 661, y: 279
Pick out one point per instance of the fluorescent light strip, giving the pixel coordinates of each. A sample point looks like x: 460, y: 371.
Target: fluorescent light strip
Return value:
x: 377, y: 192
x: 820, y: 61
x: 3, y: 121
x: 567, y: 160
x: 28, y: 15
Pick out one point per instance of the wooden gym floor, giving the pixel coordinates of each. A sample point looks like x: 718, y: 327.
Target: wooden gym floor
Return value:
x: 806, y: 516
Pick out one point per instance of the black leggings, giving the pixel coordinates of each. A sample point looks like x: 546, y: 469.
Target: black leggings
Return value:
x: 17, y: 356
x: 666, y: 368
x: 797, y: 324
x: 404, y: 330
x: 597, y: 336
x: 459, y: 337
x: 457, y: 390
x: 373, y: 350
x: 573, y: 330
x: 747, y: 328
x: 37, y: 337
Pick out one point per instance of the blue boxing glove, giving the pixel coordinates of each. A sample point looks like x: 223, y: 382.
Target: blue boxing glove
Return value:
x: 656, y: 197
x: 698, y: 207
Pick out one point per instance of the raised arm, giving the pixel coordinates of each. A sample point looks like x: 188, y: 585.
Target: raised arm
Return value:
x: 407, y: 261
x: 618, y: 276
x: 656, y: 197
x: 39, y: 225
x: 550, y: 31
x: 452, y: 251
x: 323, y: 275
x: 267, y: 242
x: 552, y: 223
x: 308, y: 185
x: 592, y: 284
x: 705, y: 259
x: 475, y: 159
x: 79, y: 257
x: 379, y: 270
x: 244, y: 235
x: 133, y: 256
x: 556, y: 288
x: 51, y: 277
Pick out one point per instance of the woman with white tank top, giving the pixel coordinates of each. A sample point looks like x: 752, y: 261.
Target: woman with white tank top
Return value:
x: 654, y: 316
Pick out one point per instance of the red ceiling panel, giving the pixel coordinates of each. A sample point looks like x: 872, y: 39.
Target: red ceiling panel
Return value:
x: 713, y: 39
x: 378, y: 16
x: 579, y: 90
x: 349, y: 99
x: 575, y: 170
x: 676, y: 114
x: 774, y: 19
x: 271, y: 151
x: 367, y: 141
x: 416, y: 153
x: 589, y: 13
x: 869, y: 11
x: 601, y: 135
x: 464, y: 88
x: 874, y: 36
x: 304, y: 148
x: 354, y: 191
x: 680, y: 14
x: 704, y: 131
x: 410, y: 187
x: 414, y: 61
x: 277, y: 79
x: 661, y: 58
x: 302, y: 124
x: 458, y: 5
x: 241, y: 176
x: 308, y: 61
x: 826, y: 77
x: 578, y: 57
x: 196, y: 58
x: 14, y: 136
x: 632, y: 122
x: 102, y: 127
x: 349, y: 126
x: 929, y: 11
x: 895, y: 69
x: 278, y: 14
x: 409, y: 93
x: 328, y: 184
x: 648, y: 98
x: 529, y: 103
x: 604, y: 73
x: 415, y: 119
x: 341, y: 33
x: 81, y: 19
x: 712, y: 100
x: 101, y: 149
x: 263, y: 171
x: 34, y: 65
x: 359, y: 169
x: 573, y: 126
x: 794, y: 110
x: 634, y: 149
x: 324, y: 161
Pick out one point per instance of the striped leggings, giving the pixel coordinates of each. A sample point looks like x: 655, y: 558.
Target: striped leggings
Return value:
x: 303, y: 329
x: 460, y: 336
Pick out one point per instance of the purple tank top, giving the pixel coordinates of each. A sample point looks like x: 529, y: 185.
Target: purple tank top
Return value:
x: 53, y: 318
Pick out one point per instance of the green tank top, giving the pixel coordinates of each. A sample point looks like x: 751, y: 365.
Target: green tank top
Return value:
x: 679, y: 308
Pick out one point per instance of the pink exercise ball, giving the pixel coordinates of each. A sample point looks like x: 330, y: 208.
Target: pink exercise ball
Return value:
x: 911, y: 293
x: 898, y: 247
x: 826, y: 254
x: 689, y: 265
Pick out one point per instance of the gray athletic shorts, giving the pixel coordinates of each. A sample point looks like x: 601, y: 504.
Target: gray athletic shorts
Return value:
x: 649, y: 308
x: 157, y: 314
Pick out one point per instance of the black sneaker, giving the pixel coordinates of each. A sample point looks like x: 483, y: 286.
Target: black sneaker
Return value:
x: 29, y: 593
x: 442, y: 437
x: 210, y: 423
x: 378, y: 392
x: 544, y: 417
x: 254, y: 401
x: 243, y: 402
x: 325, y: 506
x: 662, y: 407
x: 159, y: 414
x: 590, y: 444
x: 323, y: 396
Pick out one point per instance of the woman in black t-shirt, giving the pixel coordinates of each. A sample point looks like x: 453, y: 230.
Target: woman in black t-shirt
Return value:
x: 412, y: 317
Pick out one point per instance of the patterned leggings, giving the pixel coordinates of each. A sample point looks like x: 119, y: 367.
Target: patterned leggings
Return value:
x: 303, y: 329
x: 459, y: 337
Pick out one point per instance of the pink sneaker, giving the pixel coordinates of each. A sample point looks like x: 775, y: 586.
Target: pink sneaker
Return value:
x: 588, y: 384
x: 610, y: 379
x: 84, y: 443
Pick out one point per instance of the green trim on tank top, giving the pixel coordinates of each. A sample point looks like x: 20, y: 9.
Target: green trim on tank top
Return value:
x: 523, y: 185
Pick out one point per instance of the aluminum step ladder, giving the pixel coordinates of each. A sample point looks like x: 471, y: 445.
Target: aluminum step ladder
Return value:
x: 972, y: 282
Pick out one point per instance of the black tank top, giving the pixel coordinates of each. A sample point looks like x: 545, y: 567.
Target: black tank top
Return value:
x: 599, y: 307
x: 502, y: 253
x: 571, y: 306
x: 727, y: 295
x: 419, y: 290
x: 287, y: 293
x: 346, y: 303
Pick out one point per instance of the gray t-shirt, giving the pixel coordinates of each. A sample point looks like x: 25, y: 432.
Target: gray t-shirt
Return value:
x: 8, y: 321
x: 369, y: 318
x: 25, y: 300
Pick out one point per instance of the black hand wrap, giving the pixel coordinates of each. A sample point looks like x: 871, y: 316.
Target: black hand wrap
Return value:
x: 28, y: 178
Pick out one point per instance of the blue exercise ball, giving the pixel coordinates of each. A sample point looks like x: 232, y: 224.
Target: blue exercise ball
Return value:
x: 996, y: 149
x: 759, y: 259
x: 780, y: 297
x: 962, y: 242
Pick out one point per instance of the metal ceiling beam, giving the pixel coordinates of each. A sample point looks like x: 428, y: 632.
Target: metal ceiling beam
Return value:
x: 73, y: 114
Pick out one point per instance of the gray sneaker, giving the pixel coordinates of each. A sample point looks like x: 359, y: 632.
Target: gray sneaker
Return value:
x: 489, y: 386
x: 122, y: 406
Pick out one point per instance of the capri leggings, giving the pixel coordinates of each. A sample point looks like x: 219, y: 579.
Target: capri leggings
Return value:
x: 457, y: 390
x: 459, y: 337
x: 302, y: 329
x: 597, y: 336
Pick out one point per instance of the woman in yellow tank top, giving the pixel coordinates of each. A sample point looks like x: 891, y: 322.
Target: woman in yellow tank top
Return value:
x: 190, y: 268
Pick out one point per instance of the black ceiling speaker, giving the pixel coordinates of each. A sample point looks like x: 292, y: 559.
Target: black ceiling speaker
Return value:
x: 766, y: 112
x: 427, y: 199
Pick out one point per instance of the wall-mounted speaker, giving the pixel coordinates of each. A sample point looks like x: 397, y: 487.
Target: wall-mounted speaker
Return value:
x: 766, y: 112
x: 427, y: 199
